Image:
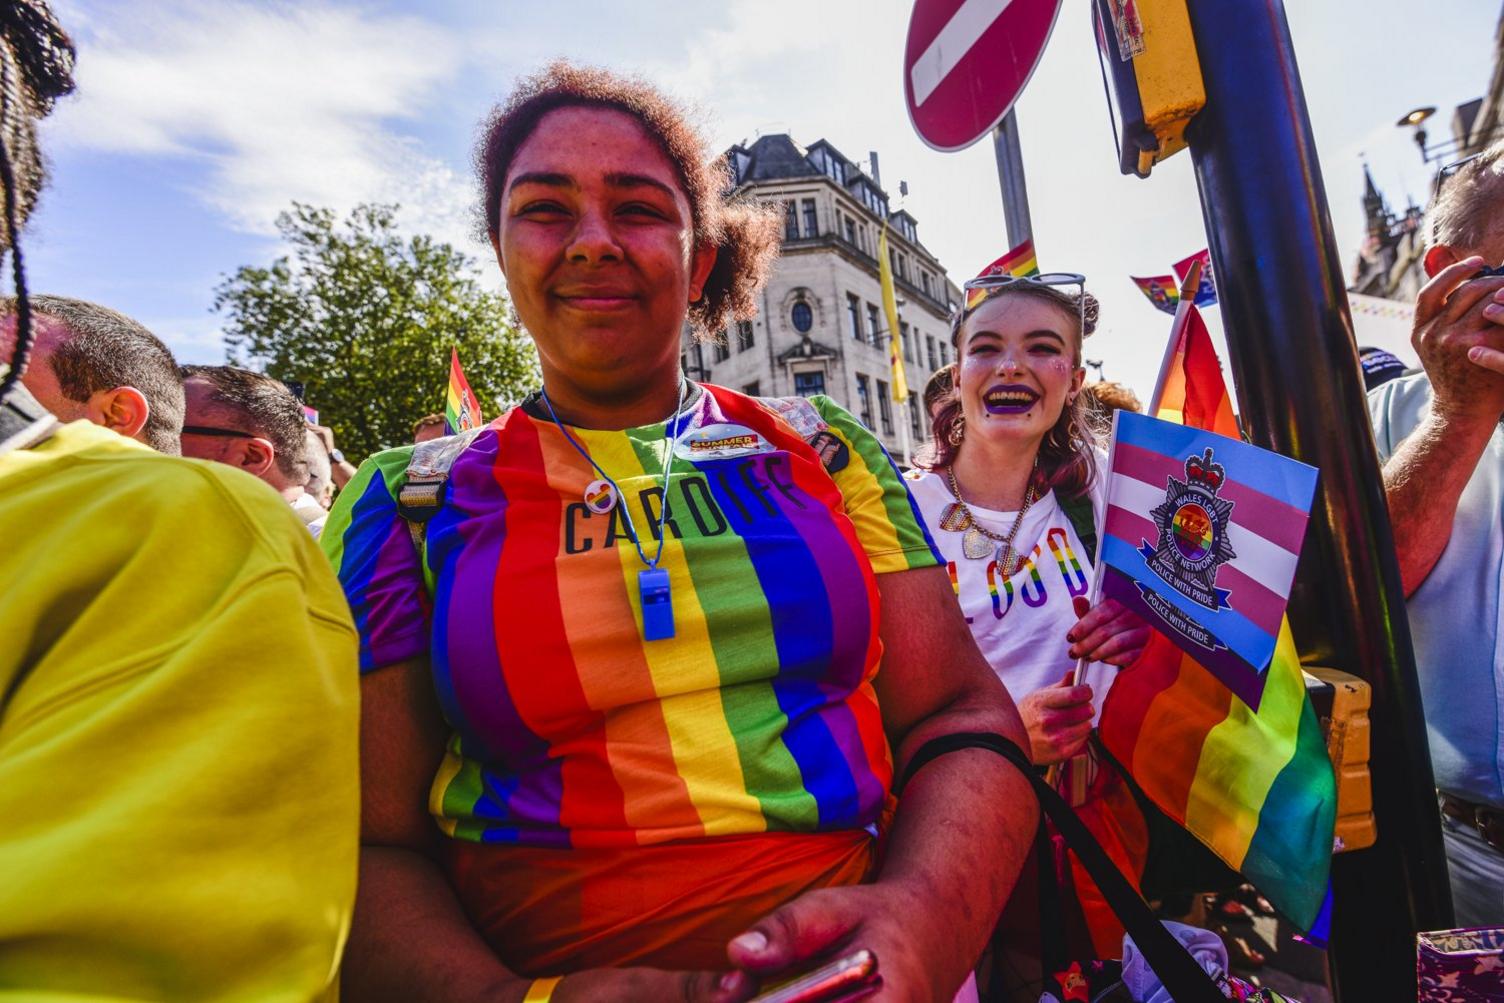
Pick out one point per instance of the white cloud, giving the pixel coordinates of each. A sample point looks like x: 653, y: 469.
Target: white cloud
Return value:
x: 279, y: 102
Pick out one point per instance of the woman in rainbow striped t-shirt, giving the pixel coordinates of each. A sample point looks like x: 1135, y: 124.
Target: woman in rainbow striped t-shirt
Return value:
x: 636, y: 669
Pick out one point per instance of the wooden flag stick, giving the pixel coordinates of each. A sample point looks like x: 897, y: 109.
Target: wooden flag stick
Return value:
x: 1183, y: 310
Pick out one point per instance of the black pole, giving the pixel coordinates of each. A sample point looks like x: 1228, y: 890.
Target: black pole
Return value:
x: 1300, y: 392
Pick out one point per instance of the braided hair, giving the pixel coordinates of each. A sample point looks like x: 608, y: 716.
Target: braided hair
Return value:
x: 36, y: 68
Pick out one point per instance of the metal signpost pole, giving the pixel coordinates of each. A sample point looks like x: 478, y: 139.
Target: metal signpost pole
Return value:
x: 1300, y: 391
x: 1010, y: 175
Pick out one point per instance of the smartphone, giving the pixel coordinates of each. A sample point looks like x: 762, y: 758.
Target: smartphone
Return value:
x: 850, y: 978
x: 1490, y: 272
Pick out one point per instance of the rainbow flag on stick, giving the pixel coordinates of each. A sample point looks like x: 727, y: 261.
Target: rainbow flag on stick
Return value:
x: 1161, y: 291
x: 461, y: 409
x: 1255, y: 786
x: 1019, y: 261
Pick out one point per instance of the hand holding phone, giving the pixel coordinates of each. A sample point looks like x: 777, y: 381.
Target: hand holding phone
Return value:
x: 853, y: 977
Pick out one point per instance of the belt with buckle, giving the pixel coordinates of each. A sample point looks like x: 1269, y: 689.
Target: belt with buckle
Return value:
x: 1487, y: 822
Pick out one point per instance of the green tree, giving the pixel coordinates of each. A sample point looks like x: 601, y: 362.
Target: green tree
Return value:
x: 365, y: 319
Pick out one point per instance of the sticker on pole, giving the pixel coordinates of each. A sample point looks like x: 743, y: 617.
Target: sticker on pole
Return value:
x: 967, y: 61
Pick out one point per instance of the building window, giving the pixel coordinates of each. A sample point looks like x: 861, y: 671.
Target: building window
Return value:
x: 924, y: 282
x: 722, y: 349
x: 743, y: 335
x: 903, y: 267
x: 944, y: 354
x: 908, y: 346
x: 809, y: 384
x: 914, y: 415
x: 850, y: 231
x: 811, y: 223
x: 854, y: 311
x: 875, y: 323
x: 864, y: 400
x: 753, y: 389
x: 929, y: 345
x: 884, y: 407
x: 802, y: 316
x: 790, y: 221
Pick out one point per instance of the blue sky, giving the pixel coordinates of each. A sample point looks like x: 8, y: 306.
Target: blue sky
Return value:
x: 196, y: 121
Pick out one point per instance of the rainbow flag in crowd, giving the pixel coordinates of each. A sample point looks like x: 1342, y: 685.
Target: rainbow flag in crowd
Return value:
x: 890, y: 310
x: 461, y: 409
x: 1161, y: 290
x: 1206, y: 289
x: 1019, y: 261
x: 1255, y: 786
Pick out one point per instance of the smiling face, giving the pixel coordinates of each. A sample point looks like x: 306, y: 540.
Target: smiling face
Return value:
x: 596, y: 239
x: 1019, y: 367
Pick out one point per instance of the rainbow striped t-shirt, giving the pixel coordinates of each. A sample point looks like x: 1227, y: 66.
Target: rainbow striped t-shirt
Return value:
x: 568, y: 728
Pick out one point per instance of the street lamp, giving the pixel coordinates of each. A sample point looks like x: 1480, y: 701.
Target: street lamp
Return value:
x: 1415, y: 120
x: 1097, y: 365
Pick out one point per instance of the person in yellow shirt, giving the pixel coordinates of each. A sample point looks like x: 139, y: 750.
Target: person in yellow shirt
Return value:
x: 178, y: 690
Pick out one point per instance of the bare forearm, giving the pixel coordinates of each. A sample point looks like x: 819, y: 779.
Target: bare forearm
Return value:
x: 963, y: 830
x: 410, y: 940
x: 1423, y: 481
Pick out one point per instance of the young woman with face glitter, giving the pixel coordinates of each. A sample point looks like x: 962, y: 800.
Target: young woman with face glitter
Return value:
x: 1011, y: 491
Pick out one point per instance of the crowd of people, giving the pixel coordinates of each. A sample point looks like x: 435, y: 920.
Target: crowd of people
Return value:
x: 610, y: 698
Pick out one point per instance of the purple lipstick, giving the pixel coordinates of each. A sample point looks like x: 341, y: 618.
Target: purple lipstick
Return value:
x: 1009, y: 398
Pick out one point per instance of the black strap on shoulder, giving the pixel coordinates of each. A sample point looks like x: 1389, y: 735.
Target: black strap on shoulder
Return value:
x: 1084, y: 521
x: 1177, y: 970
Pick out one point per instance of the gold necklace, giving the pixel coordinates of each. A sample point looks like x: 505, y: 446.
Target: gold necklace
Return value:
x: 977, y: 541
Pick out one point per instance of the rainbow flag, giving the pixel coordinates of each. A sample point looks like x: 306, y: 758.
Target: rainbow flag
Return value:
x: 1255, y: 786
x: 1201, y: 538
x: 1161, y: 290
x: 461, y: 409
x: 890, y: 310
x: 1019, y: 261
x: 1194, y: 392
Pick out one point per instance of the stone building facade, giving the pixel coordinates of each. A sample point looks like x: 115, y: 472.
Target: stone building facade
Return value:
x: 820, y: 326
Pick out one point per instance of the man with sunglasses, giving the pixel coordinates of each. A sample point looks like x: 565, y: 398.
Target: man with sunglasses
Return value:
x: 249, y: 421
x: 1439, y: 436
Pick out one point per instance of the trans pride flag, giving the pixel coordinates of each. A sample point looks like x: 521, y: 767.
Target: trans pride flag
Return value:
x: 1201, y: 539
x: 1255, y: 786
x: 461, y: 409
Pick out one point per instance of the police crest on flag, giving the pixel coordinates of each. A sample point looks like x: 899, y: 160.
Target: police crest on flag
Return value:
x: 1192, y: 525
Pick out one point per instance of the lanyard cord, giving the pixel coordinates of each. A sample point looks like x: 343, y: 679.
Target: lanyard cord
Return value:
x: 668, y: 459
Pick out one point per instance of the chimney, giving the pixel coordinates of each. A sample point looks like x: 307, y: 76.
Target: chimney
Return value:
x: 877, y: 176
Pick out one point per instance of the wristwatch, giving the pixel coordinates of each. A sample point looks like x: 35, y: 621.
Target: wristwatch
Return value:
x: 336, y: 456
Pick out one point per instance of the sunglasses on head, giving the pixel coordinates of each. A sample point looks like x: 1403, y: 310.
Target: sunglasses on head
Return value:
x: 1445, y: 174
x: 231, y: 433
x: 989, y: 284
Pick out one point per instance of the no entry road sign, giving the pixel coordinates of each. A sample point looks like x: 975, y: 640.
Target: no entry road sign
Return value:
x: 967, y: 61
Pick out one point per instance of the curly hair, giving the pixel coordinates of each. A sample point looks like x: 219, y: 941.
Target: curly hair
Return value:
x: 1067, y: 456
x: 744, y: 233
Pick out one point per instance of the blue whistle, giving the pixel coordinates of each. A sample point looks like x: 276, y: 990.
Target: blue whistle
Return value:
x: 657, y: 604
